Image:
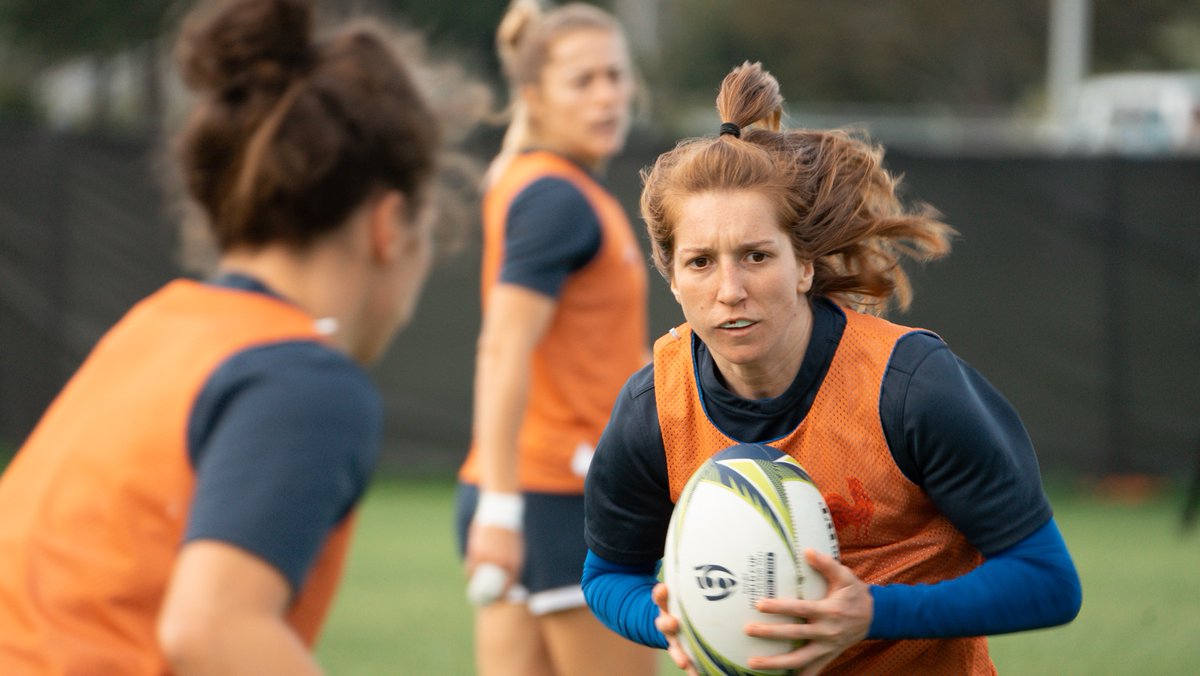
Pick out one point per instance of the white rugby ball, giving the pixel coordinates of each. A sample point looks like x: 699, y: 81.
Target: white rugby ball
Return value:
x: 737, y: 535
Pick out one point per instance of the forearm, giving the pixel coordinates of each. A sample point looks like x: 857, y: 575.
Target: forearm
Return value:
x: 620, y: 597
x: 224, y: 613
x: 514, y: 322
x: 501, y: 394
x: 1032, y: 584
x: 234, y: 646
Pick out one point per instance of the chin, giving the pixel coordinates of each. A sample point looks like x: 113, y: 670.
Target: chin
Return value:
x: 741, y: 358
x: 732, y: 354
x: 601, y: 153
x: 614, y: 148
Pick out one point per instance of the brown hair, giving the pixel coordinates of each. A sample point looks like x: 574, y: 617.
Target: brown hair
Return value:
x: 290, y: 135
x: 831, y: 192
x: 523, y: 41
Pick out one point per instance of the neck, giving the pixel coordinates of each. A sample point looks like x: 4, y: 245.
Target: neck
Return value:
x: 752, y: 381
x: 596, y: 165
x: 316, y: 281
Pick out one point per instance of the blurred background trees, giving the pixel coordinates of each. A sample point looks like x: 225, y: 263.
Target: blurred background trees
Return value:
x: 101, y: 42
x: 1102, y: 238
x: 102, y: 65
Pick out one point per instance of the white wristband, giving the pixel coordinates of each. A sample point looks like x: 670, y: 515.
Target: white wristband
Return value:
x: 506, y: 510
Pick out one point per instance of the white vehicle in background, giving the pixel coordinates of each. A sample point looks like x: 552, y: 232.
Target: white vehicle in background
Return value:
x: 1151, y: 113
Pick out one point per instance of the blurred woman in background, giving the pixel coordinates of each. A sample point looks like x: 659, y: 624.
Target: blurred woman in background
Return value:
x: 564, y: 324
x: 185, y: 503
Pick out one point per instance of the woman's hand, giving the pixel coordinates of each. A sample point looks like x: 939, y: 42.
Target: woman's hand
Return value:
x: 499, y: 546
x: 669, y: 626
x: 828, y: 626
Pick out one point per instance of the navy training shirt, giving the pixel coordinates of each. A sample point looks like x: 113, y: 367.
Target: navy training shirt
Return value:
x: 948, y: 429
x: 550, y: 232
x: 283, y: 439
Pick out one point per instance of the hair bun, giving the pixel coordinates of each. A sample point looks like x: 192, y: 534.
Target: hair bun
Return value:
x: 247, y: 44
x: 750, y: 95
x: 515, y: 26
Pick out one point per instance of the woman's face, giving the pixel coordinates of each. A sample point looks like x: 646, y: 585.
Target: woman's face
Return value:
x: 581, y: 105
x: 742, y: 288
x: 402, y: 278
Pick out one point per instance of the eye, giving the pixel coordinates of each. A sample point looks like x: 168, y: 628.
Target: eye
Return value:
x: 698, y: 263
x: 758, y: 256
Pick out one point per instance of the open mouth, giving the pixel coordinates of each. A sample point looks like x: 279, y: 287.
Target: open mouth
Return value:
x: 736, y: 324
x: 606, y: 126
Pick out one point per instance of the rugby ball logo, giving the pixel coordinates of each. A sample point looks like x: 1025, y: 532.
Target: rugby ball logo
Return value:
x: 716, y: 582
x: 737, y: 535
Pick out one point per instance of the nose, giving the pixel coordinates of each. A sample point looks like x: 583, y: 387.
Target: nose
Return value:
x: 607, y: 89
x: 603, y: 91
x: 731, y: 290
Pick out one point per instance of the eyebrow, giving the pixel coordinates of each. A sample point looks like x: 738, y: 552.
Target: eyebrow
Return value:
x: 757, y: 244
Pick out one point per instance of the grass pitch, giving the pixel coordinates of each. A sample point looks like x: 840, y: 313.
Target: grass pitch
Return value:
x: 402, y: 608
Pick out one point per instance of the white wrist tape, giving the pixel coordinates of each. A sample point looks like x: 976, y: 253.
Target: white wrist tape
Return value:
x: 506, y: 510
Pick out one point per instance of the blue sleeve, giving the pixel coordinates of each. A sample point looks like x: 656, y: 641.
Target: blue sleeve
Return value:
x: 283, y: 439
x: 1030, y: 585
x: 620, y: 597
x: 550, y: 232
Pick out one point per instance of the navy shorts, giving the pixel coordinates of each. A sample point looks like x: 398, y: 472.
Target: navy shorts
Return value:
x: 554, y: 547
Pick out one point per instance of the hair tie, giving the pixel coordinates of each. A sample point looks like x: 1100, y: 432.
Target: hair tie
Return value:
x: 730, y: 128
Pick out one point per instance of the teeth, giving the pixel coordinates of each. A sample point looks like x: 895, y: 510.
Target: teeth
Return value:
x: 741, y: 323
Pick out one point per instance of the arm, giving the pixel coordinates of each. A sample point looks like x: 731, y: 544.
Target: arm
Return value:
x: 632, y: 602
x: 515, y: 320
x: 956, y: 436
x: 620, y: 596
x: 627, y: 507
x: 934, y: 407
x: 550, y: 231
x: 1030, y: 585
x: 310, y: 422
x: 224, y: 614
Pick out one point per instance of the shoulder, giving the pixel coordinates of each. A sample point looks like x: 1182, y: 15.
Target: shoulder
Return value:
x: 634, y: 418
x: 316, y: 370
x: 285, y: 383
x: 955, y: 435
x: 550, y: 193
x: 640, y: 385
x: 923, y: 375
x: 283, y: 440
x: 627, y: 497
x: 914, y: 348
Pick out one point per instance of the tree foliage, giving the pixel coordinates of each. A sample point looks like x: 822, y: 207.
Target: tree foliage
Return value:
x: 976, y: 55
x: 964, y: 56
x: 68, y: 28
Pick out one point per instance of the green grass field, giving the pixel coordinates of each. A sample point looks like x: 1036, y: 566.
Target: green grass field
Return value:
x: 402, y: 611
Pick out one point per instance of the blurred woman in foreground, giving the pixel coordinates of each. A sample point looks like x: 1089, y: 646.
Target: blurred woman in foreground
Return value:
x: 185, y: 504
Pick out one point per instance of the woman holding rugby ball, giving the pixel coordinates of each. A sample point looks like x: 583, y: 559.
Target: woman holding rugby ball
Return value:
x: 782, y: 248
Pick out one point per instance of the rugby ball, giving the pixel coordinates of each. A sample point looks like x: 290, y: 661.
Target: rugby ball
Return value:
x: 737, y: 535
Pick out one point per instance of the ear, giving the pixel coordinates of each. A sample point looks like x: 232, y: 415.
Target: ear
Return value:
x: 675, y: 292
x: 531, y: 98
x: 806, y: 277
x: 386, y: 224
